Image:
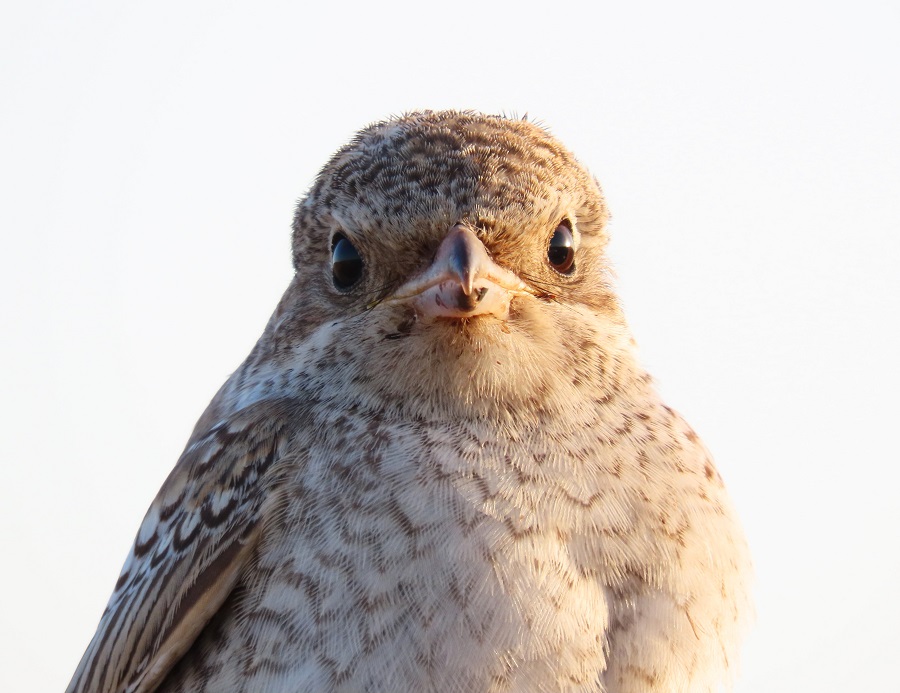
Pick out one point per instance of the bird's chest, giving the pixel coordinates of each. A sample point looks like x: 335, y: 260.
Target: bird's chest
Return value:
x: 434, y: 560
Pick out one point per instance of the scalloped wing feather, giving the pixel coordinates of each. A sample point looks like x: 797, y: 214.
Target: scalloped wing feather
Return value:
x: 189, y: 552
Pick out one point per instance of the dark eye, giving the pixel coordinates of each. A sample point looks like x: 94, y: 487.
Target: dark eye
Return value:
x: 561, y: 253
x: 346, y: 264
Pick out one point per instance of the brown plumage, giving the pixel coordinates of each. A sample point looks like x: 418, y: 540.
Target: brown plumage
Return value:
x: 441, y: 467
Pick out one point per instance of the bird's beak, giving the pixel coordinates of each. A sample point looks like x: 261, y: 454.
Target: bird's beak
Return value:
x: 462, y: 281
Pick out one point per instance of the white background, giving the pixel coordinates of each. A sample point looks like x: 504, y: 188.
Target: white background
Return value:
x: 151, y: 158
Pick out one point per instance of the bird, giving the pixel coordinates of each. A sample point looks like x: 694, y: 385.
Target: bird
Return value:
x: 442, y: 466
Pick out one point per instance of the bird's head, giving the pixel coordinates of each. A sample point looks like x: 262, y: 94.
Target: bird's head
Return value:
x: 450, y: 262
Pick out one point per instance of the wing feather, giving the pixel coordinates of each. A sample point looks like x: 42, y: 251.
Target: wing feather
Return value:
x: 189, y: 552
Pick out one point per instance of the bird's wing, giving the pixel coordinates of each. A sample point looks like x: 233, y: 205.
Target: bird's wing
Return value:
x: 189, y: 552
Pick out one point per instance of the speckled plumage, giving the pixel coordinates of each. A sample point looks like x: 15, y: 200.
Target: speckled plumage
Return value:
x: 386, y: 497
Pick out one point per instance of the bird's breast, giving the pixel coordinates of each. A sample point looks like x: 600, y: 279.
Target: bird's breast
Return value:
x: 417, y: 554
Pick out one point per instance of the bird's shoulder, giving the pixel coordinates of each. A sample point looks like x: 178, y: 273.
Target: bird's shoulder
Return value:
x: 190, y: 549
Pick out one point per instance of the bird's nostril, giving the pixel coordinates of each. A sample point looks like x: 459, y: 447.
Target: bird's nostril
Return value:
x: 479, y: 294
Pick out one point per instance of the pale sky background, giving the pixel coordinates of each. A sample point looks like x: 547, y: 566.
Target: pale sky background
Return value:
x: 150, y: 159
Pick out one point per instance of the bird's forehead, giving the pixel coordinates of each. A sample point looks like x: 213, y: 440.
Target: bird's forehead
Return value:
x: 444, y: 167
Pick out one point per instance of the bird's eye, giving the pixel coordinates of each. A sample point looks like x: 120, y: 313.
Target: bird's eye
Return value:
x: 346, y: 263
x: 561, y: 253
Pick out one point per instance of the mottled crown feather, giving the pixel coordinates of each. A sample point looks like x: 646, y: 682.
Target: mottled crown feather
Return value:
x: 436, y: 168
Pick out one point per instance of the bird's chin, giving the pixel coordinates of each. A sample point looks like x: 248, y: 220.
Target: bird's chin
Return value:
x: 447, y: 328
x: 449, y: 368
x: 470, y: 323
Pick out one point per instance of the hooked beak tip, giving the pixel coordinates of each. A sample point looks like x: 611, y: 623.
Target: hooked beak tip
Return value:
x: 466, y: 256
